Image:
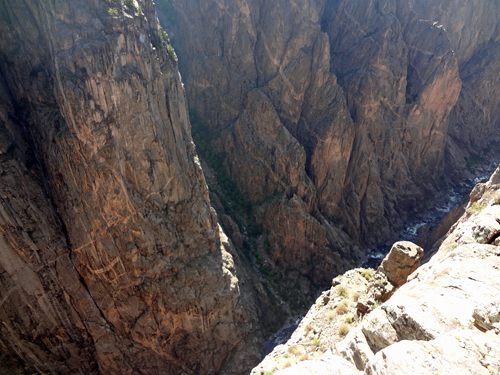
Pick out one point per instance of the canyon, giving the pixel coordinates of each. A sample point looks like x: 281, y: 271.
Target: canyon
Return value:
x: 364, y: 111
x: 152, y: 224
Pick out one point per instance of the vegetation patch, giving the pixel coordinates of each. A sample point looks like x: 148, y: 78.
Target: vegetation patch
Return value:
x: 316, y: 341
x: 292, y: 349
x: 307, y: 329
x: 343, y: 329
x: 474, y: 160
x: 342, y: 308
x: 368, y: 273
x: 171, y: 52
x: 129, y: 4
x: 355, y: 296
x: 475, y: 208
x: 342, y: 291
x: 304, y: 357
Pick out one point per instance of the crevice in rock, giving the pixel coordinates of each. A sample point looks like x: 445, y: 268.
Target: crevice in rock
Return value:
x: 493, y: 238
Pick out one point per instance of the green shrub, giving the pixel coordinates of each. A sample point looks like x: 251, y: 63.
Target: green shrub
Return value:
x: 475, y: 208
x: 341, y: 291
x: 348, y: 319
x: 129, y: 4
x: 171, y: 51
x: 316, y: 341
x: 113, y: 12
x: 368, y: 273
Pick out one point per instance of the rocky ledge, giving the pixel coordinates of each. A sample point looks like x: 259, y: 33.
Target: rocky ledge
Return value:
x: 443, y: 318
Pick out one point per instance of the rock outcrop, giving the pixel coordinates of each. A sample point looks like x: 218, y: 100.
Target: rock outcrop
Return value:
x: 445, y: 319
x: 403, y: 258
x: 112, y: 260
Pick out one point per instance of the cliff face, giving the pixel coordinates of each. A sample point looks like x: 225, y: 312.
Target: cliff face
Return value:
x: 337, y: 116
x: 445, y: 319
x: 112, y: 260
x: 258, y: 76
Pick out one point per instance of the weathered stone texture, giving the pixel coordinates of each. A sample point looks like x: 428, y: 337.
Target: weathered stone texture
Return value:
x: 112, y: 259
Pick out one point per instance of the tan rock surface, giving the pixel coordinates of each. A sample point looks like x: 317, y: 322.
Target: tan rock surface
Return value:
x: 458, y: 352
x: 328, y: 364
x: 403, y: 258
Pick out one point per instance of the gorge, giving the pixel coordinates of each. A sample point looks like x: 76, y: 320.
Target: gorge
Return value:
x: 320, y: 128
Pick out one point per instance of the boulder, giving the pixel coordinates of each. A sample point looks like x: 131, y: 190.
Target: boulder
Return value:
x: 401, y: 261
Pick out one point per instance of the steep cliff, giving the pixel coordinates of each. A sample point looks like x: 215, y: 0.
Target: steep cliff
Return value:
x: 112, y: 260
x: 257, y: 75
x: 445, y: 319
x: 338, y: 117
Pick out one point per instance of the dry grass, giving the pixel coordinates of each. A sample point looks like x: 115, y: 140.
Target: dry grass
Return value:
x: 343, y: 329
x: 355, y: 296
x: 342, y: 308
x: 307, y: 329
x: 287, y: 364
x: 292, y: 349
x: 448, y: 248
x: 304, y: 357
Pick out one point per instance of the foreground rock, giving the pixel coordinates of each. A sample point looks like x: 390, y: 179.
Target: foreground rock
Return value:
x: 445, y: 319
x: 328, y: 364
x: 403, y: 258
x: 341, y: 309
x: 457, y: 352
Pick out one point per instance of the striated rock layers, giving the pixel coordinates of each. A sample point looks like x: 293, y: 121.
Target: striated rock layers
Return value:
x: 111, y: 258
x: 337, y: 117
x: 445, y: 319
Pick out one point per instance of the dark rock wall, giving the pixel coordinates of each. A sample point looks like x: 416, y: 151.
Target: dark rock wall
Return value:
x: 345, y: 113
x: 112, y: 260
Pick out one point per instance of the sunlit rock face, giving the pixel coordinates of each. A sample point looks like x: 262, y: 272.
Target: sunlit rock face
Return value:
x: 112, y: 260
